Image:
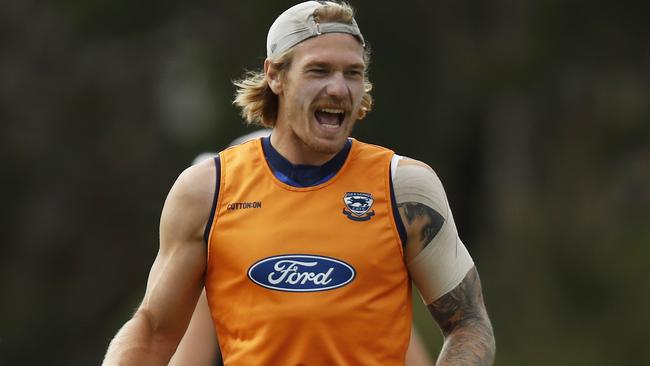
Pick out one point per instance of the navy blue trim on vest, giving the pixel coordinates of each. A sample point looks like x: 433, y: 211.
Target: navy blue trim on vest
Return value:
x: 300, y: 175
x: 208, y: 226
x: 398, y: 218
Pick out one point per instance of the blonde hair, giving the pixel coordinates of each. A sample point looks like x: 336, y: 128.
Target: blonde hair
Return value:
x: 254, y: 95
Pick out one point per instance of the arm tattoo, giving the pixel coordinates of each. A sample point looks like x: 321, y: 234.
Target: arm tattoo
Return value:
x: 461, y: 314
x: 431, y: 220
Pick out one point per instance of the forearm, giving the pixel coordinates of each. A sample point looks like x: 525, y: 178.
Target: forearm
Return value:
x: 461, y: 315
x: 469, y: 343
x: 137, y: 343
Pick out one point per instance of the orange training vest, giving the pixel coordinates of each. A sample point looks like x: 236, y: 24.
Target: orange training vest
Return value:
x: 307, y: 276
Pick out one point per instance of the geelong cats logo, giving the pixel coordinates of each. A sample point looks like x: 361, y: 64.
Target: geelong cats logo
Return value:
x: 358, y: 206
x: 301, y: 273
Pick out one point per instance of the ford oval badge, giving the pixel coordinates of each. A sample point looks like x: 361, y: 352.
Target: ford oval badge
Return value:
x: 301, y: 273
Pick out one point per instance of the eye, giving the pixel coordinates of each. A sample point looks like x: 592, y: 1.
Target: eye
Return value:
x: 317, y: 71
x: 354, y: 73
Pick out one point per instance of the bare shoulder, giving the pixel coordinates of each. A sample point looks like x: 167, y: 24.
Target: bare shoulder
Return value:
x: 188, y: 204
x: 196, y: 182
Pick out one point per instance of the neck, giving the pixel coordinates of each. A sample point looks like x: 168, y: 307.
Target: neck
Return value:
x: 296, y: 151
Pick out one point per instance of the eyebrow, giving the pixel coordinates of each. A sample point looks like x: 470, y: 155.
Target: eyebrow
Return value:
x: 358, y: 65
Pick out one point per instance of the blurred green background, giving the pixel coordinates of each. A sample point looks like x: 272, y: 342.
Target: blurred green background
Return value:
x: 535, y: 114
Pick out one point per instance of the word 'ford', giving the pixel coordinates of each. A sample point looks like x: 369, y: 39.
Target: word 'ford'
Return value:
x: 301, y: 273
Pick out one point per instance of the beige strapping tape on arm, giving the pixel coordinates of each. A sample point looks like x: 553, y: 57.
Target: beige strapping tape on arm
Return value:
x: 444, y: 262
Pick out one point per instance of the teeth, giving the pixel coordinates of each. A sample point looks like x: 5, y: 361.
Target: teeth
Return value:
x: 331, y: 110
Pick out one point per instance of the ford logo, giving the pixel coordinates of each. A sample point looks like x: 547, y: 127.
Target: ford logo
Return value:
x: 301, y: 273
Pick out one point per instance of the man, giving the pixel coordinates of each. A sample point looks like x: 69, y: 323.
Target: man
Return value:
x: 198, y: 347
x: 311, y: 248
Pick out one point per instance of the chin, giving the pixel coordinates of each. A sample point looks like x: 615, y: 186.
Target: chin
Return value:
x: 327, y: 146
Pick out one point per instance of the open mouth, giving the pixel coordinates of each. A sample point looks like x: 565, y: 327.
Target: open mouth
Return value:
x: 330, y: 117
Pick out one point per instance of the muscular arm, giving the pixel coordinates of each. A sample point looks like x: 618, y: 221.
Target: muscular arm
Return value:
x: 461, y: 314
x: 175, y: 279
x: 441, y: 267
x: 199, y: 345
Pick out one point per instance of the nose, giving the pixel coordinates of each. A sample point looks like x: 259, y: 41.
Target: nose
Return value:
x: 337, y: 86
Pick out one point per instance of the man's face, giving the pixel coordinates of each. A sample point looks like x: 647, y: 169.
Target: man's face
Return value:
x: 320, y: 94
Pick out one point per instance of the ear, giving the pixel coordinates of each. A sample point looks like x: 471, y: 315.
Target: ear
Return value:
x: 273, y: 77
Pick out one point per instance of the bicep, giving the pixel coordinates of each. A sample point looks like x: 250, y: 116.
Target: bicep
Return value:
x: 199, y: 344
x: 435, y: 256
x: 176, y: 277
x: 173, y: 287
